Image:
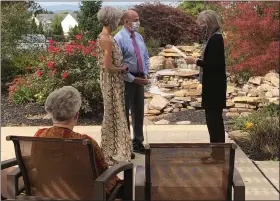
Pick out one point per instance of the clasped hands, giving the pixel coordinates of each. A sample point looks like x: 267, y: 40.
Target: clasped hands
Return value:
x: 137, y: 80
x: 141, y: 81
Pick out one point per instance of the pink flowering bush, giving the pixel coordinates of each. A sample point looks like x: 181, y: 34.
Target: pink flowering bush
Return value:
x: 73, y: 63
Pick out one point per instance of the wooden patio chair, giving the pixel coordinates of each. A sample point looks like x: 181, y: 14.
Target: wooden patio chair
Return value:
x: 10, y: 174
x: 177, y: 172
x: 65, y: 169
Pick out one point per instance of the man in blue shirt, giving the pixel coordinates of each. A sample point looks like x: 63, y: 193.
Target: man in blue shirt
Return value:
x: 136, y: 57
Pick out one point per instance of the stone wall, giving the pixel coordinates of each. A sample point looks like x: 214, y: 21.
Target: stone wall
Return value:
x: 181, y: 90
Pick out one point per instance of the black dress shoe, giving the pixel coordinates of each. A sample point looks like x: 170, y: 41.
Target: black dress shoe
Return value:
x: 139, y: 149
x: 132, y: 155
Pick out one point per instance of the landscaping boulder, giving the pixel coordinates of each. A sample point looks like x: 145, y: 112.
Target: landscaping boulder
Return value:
x: 157, y: 62
x: 158, y: 103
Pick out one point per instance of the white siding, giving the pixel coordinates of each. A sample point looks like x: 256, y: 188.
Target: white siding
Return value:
x: 67, y: 23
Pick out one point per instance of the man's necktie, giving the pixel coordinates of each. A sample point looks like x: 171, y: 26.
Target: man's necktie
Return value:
x: 137, y: 52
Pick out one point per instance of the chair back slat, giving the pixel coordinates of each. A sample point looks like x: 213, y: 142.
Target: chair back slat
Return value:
x: 57, y: 168
x: 176, y: 172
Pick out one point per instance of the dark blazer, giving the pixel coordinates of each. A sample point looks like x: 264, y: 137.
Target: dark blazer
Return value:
x: 214, y: 83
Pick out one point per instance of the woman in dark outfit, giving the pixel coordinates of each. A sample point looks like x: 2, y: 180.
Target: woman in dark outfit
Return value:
x: 214, y: 83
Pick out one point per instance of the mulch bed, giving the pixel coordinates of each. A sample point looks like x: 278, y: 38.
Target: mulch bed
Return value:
x: 32, y: 114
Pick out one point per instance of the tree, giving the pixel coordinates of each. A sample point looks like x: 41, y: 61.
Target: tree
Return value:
x: 252, y: 36
x: 56, y: 25
x: 87, y: 18
x: 73, y: 32
x: 43, y: 11
x: 15, y: 22
x: 195, y: 7
x: 168, y: 25
x: 40, y: 28
x: 34, y: 28
x: 192, y: 7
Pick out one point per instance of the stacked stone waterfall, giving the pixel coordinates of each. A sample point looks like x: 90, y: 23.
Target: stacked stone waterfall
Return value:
x: 178, y: 89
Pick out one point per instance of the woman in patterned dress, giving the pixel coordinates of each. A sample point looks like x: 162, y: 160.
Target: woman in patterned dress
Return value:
x: 115, y: 136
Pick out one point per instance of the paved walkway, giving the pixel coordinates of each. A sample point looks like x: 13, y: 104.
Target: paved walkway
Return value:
x: 257, y: 186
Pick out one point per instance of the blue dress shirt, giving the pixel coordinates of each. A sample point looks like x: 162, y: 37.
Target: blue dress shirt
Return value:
x: 124, y: 40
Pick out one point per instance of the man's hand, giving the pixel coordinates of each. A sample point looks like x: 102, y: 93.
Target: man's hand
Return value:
x: 146, y: 80
x: 141, y: 81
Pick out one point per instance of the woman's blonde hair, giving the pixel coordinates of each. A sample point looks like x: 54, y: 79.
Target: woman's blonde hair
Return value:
x: 211, y: 19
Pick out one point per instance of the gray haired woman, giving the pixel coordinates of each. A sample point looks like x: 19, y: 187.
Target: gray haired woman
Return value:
x: 214, y: 85
x: 115, y: 136
x: 63, y: 106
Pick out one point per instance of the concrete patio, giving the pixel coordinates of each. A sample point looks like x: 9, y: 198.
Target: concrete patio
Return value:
x: 258, y: 186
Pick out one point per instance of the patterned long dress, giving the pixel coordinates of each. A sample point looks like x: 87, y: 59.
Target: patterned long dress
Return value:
x: 115, y: 137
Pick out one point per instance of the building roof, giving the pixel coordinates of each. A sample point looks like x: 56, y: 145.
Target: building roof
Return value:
x: 49, y: 17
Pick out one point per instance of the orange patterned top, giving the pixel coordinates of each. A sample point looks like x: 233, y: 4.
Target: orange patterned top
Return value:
x: 59, y: 132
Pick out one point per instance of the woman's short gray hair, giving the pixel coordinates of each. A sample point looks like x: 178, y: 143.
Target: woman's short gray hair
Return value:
x: 62, y: 104
x: 109, y: 16
x: 211, y: 19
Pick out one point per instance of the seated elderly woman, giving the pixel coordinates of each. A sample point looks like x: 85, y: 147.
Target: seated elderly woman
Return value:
x: 63, y: 105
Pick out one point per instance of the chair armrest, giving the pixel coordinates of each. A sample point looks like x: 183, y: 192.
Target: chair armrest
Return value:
x: 140, y: 179
x: 10, y: 179
x: 238, y: 186
x: 101, y: 182
x: 13, y: 188
x: 25, y: 197
x: 8, y: 163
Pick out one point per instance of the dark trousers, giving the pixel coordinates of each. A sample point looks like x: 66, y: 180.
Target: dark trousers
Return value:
x: 216, y: 129
x: 134, y: 101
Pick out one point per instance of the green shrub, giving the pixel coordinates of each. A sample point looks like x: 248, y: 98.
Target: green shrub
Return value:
x: 23, y: 95
x: 17, y: 65
x: 239, y: 123
x: 153, y: 47
x: 243, y: 76
x: 263, y: 128
x: 72, y: 64
x: 265, y: 137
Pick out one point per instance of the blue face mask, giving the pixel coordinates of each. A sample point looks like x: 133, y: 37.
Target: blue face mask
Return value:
x: 135, y: 26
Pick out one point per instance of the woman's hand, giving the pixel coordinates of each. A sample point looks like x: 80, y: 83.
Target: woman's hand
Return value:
x: 191, y: 60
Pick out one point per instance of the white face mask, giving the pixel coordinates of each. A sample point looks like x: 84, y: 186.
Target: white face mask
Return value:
x: 135, y: 26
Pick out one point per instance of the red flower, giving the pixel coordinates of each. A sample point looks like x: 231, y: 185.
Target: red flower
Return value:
x: 50, y: 64
x: 51, y: 49
x: 92, y: 42
x: 64, y: 75
x: 91, y: 47
x: 39, y: 73
x: 72, y: 43
x: 51, y: 42
x: 54, y: 70
x: 87, y: 51
x: 57, y: 50
x: 78, y: 36
x: 95, y: 54
x: 69, y: 50
x: 42, y: 58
